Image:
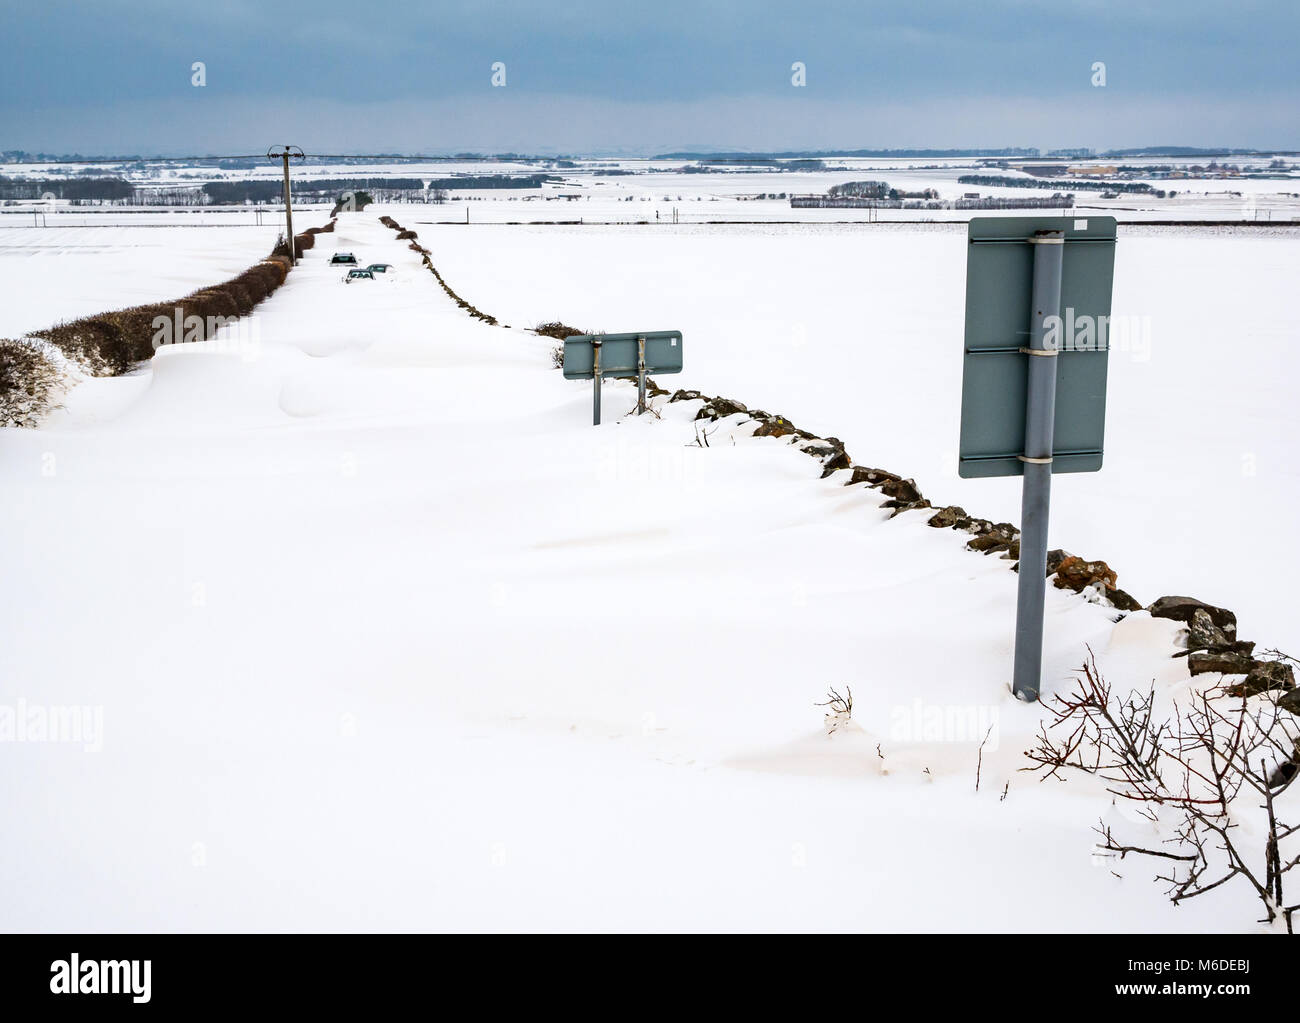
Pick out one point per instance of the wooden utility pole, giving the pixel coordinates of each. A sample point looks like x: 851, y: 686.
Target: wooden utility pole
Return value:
x: 285, y: 153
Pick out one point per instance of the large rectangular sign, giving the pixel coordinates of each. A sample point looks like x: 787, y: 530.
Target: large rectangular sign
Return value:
x: 999, y: 284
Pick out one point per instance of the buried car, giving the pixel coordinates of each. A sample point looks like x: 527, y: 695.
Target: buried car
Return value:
x: 343, y: 257
x: 379, y: 268
x: 358, y: 275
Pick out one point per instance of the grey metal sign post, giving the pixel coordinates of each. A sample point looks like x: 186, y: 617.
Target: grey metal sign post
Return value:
x: 1036, y: 493
x: 596, y: 381
x: 623, y: 356
x: 640, y: 375
x: 1033, y: 398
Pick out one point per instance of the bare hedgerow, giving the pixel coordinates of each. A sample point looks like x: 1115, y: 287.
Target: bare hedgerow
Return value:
x: 34, y: 371
x: 1204, y: 763
x: 31, y: 381
x: 559, y: 331
x: 109, y: 344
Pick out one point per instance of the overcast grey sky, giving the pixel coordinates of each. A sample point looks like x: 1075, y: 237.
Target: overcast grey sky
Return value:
x: 588, y: 76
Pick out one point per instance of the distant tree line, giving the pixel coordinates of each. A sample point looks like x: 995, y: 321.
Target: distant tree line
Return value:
x: 75, y: 188
x: 494, y: 181
x: 1086, y: 184
x: 726, y: 165
x: 355, y: 184
x: 839, y: 153
x: 861, y: 189
x: 1056, y: 201
x: 224, y: 193
x: 243, y: 191
x: 878, y: 190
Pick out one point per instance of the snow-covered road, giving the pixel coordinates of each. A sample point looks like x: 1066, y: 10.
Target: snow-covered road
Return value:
x: 385, y: 635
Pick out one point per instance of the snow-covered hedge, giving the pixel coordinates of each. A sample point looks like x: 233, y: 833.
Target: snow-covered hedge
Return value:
x: 33, y: 376
x: 34, y: 371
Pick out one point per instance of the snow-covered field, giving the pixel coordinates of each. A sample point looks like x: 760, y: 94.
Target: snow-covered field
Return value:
x: 61, y: 273
x: 380, y: 633
x: 856, y: 332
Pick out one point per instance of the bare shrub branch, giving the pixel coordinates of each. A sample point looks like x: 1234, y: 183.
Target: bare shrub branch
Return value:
x: 1212, y: 749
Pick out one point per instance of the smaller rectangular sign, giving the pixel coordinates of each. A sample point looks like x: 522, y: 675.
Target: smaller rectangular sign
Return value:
x: 618, y: 354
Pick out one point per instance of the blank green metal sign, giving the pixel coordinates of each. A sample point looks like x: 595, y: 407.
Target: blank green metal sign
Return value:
x: 596, y: 356
x: 999, y: 281
x: 618, y: 354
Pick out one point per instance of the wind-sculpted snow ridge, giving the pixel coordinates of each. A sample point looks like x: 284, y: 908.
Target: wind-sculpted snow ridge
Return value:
x: 36, y: 370
x: 1212, y: 643
x: 1211, y: 640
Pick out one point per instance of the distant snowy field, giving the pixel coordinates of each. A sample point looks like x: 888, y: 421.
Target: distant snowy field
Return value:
x: 618, y: 190
x: 857, y: 332
x: 60, y: 273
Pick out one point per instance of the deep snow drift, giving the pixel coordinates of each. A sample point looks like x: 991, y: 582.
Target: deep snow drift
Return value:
x: 65, y: 273
x: 385, y: 635
x: 857, y: 332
